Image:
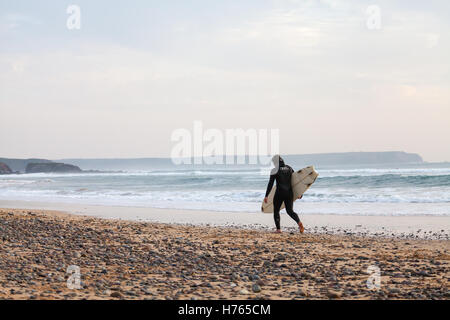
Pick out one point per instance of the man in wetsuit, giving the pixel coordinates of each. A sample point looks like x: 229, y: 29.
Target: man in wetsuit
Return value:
x: 283, y: 192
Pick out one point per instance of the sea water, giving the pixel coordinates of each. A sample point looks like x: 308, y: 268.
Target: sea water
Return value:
x: 421, y: 189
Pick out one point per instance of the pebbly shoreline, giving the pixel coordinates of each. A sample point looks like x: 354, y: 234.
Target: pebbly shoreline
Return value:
x: 135, y: 260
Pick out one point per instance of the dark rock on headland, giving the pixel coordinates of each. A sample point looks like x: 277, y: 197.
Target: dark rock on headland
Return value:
x: 19, y: 165
x: 51, y: 167
x: 4, y: 169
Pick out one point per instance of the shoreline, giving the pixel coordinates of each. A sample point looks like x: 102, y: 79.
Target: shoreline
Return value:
x: 120, y: 259
x: 405, y: 227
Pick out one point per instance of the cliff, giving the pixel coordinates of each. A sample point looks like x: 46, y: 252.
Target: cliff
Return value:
x: 19, y: 165
x: 4, y: 169
x: 51, y: 167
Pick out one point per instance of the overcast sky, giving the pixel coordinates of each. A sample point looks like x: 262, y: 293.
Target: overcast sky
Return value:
x: 137, y: 70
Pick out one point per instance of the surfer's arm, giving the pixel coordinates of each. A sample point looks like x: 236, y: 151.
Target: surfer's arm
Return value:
x: 270, y: 185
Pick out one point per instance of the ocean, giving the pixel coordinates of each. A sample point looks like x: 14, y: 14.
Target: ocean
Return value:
x: 420, y: 189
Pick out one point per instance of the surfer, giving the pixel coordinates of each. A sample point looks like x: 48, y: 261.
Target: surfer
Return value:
x: 282, y: 174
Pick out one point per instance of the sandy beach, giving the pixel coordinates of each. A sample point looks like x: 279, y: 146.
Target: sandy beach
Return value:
x: 120, y: 259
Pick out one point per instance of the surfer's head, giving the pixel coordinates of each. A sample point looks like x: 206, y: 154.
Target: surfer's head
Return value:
x: 277, y: 162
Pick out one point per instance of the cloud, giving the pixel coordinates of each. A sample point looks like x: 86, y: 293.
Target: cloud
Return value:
x: 314, y: 57
x: 12, y: 21
x: 431, y: 40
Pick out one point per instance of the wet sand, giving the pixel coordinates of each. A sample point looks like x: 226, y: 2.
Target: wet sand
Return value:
x: 121, y: 259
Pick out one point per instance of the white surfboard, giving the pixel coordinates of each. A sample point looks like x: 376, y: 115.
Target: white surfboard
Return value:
x: 300, y: 181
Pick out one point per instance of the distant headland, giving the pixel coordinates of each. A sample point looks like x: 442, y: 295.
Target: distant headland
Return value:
x: 34, y: 165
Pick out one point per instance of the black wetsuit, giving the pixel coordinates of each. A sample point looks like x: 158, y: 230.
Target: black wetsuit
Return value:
x: 283, y: 193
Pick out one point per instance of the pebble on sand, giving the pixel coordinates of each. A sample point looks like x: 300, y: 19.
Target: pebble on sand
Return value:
x: 244, y: 291
x: 256, y: 288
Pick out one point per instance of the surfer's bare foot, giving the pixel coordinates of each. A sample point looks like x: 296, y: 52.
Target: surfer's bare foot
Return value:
x: 278, y: 231
x: 300, y: 226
